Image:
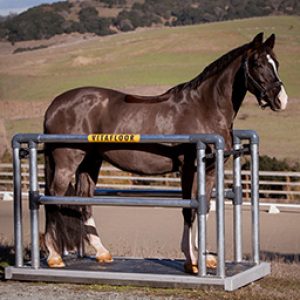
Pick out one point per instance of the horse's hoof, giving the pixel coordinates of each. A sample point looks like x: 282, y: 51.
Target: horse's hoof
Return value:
x: 211, y: 261
x: 56, y: 262
x: 104, y: 258
x: 190, y: 268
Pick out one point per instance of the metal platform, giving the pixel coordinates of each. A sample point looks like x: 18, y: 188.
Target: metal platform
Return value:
x: 148, y: 272
x: 139, y: 272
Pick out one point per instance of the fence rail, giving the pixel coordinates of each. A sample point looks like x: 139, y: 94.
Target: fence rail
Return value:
x: 278, y: 186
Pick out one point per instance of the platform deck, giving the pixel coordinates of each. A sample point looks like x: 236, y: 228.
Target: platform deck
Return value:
x: 139, y: 272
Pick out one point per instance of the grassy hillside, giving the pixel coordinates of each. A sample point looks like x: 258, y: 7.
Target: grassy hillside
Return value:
x: 104, y: 17
x: 155, y: 57
x: 164, y: 56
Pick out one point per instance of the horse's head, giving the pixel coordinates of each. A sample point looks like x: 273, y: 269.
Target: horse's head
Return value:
x: 261, y: 73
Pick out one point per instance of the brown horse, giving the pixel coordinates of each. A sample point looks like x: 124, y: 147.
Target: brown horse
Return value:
x: 207, y: 104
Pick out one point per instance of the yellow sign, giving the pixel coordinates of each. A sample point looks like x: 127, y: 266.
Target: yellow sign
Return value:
x: 114, y: 138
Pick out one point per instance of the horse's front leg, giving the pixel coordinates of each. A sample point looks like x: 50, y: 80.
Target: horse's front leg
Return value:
x: 188, y: 192
x: 211, y: 260
x: 191, y: 263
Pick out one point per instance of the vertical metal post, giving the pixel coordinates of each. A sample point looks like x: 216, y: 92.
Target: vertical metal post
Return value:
x: 33, y: 206
x: 220, y: 213
x: 81, y: 250
x: 237, y: 202
x: 255, y: 202
x: 18, y: 222
x: 202, y: 209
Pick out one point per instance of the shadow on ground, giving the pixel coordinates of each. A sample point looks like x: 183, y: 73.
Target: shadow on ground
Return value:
x: 280, y: 257
x: 7, y: 257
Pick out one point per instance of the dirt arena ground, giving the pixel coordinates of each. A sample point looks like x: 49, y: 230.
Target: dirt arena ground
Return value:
x: 156, y: 232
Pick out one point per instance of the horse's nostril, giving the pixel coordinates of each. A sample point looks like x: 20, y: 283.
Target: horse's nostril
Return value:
x: 277, y: 102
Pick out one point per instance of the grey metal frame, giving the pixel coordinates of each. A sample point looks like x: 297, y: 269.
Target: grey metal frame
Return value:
x: 201, y: 140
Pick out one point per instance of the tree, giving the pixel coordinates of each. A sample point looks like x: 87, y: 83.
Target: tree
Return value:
x: 34, y: 24
x: 91, y: 22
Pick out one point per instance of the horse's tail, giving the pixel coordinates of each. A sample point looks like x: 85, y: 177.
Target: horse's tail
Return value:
x: 63, y: 222
x: 48, y: 160
x: 53, y: 229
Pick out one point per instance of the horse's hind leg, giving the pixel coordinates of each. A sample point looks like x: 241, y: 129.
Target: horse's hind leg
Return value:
x: 59, y: 229
x: 86, y: 180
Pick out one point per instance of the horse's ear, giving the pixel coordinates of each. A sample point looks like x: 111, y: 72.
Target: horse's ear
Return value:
x: 257, y: 41
x: 270, y: 42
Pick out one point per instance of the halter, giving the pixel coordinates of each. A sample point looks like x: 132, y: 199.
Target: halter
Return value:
x: 261, y: 91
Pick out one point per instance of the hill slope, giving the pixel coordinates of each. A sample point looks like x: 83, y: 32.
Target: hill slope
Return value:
x: 104, y: 17
x: 147, y: 61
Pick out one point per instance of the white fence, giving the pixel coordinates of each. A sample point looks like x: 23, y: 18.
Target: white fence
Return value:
x: 283, y: 187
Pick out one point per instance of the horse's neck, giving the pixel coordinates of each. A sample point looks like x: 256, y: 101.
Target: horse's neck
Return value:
x: 230, y: 84
x: 239, y: 90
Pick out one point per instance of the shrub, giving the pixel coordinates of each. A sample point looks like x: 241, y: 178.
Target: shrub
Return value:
x: 91, y: 22
x: 18, y: 50
x: 34, y: 24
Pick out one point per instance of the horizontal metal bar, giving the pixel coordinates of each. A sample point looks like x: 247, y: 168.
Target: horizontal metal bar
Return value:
x: 262, y: 205
x: 140, y: 178
x: 163, y: 180
x: 229, y: 194
x: 227, y: 172
x: 247, y: 134
x: 154, y: 193
x: 120, y: 201
x: 138, y: 187
x: 72, y: 138
x: 276, y: 192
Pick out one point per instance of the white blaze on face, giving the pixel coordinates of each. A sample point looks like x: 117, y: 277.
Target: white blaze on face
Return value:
x: 282, y: 96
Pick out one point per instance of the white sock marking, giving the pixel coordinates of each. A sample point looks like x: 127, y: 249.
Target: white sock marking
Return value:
x: 196, y: 235
x: 186, y: 245
x: 94, y: 240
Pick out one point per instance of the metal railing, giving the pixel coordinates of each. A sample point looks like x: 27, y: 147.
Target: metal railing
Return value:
x: 255, y: 269
x: 280, y: 187
x: 33, y: 140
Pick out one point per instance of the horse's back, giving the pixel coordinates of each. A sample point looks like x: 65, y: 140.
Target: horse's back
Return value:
x: 79, y: 110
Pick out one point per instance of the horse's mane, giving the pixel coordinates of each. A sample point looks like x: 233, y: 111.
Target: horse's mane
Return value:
x: 212, y: 69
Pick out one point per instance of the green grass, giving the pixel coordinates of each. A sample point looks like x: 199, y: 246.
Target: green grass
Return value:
x: 164, y: 56
x: 33, y: 125
x: 159, y: 57
x: 283, y: 283
x: 279, y: 131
